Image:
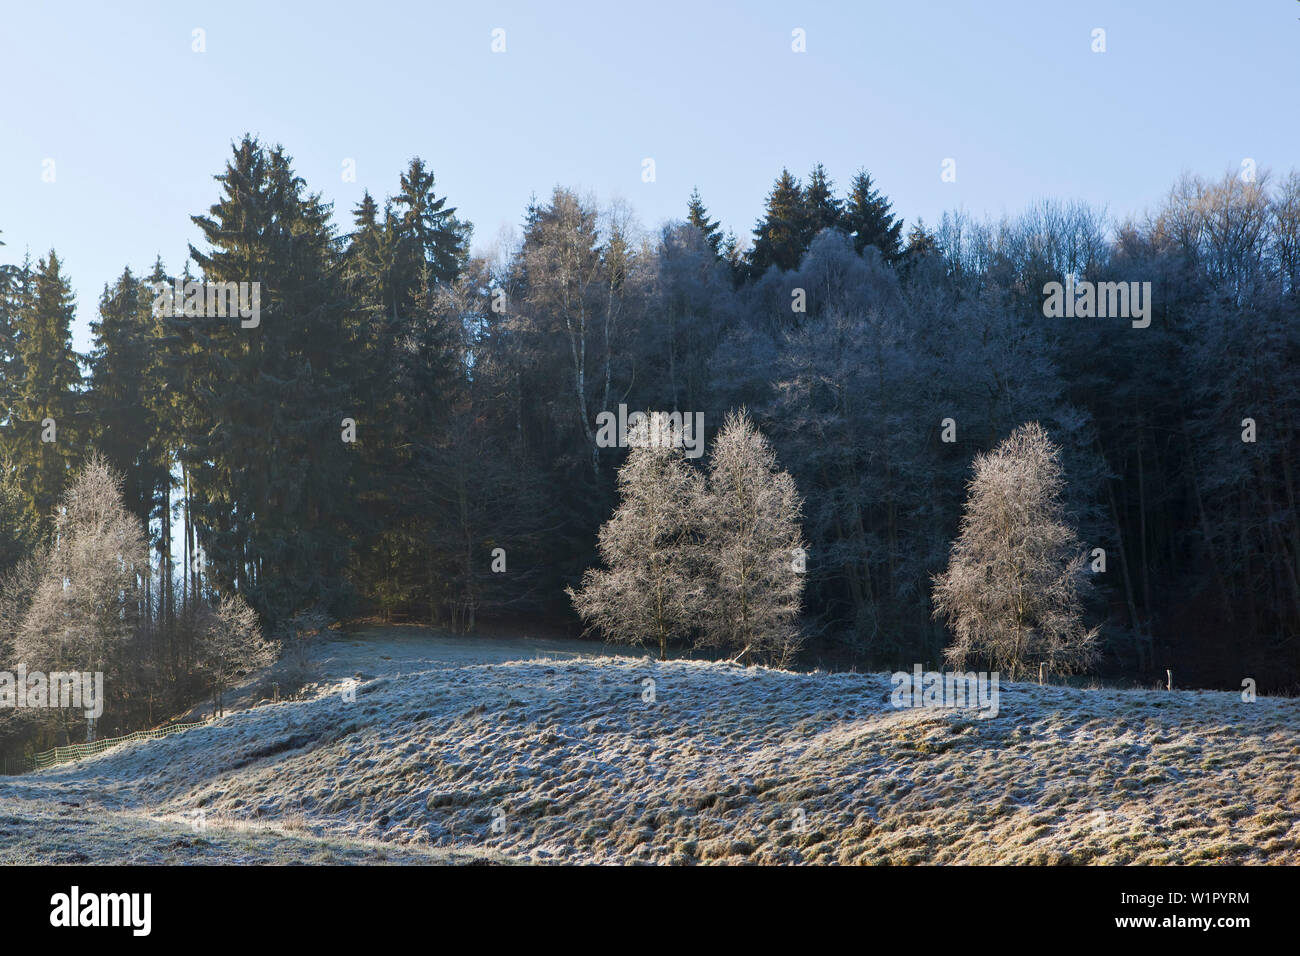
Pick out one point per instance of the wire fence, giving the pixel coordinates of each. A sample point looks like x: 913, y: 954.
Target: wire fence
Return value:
x: 13, y: 766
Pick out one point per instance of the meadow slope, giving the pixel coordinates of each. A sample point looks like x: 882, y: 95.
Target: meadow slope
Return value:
x: 452, y: 751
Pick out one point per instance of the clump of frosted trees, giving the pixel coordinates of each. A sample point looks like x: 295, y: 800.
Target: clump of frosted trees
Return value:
x: 77, y: 603
x: 711, y: 558
x: 1016, y: 578
x: 716, y: 558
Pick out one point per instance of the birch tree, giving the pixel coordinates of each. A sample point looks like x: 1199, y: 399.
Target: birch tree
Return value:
x: 86, y: 603
x: 1013, y: 590
x: 754, y: 546
x: 229, y: 645
x: 562, y: 263
x: 650, y: 590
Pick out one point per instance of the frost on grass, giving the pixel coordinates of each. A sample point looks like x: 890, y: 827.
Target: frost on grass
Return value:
x: 572, y: 760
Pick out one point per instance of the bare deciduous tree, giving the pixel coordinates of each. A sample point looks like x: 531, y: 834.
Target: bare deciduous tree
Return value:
x: 230, y: 644
x: 651, y: 590
x: 17, y: 587
x: 86, y: 604
x: 722, y: 560
x: 1012, y: 592
x: 754, y: 547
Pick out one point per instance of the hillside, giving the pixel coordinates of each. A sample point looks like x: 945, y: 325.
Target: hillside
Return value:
x: 457, y: 751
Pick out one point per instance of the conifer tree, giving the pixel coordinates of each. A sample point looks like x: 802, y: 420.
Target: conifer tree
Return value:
x: 783, y: 233
x: 867, y: 218
x: 698, y: 217
x: 19, y: 529
x: 399, y: 268
x: 131, y: 411
x: 41, y: 440
x: 121, y: 423
x: 11, y: 284
x: 270, y: 471
x: 920, y: 241
x: 433, y: 243
x: 823, y: 210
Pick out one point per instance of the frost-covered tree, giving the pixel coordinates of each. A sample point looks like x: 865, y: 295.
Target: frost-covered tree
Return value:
x: 650, y: 590
x: 693, y: 305
x: 18, y: 584
x: 754, y: 548
x: 229, y: 645
x: 86, y: 602
x: 1012, y: 592
x: 560, y: 270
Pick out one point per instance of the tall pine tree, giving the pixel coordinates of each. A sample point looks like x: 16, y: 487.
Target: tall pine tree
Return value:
x: 823, y: 210
x: 398, y: 267
x: 269, y: 468
x: 122, y: 424
x: 867, y: 218
x: 698, y: 217
x: 783, y: 233
x: 434, y: 244
x: 42, y: 434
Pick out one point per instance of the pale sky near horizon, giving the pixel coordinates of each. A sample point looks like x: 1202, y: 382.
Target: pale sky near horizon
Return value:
x: 137, y: 123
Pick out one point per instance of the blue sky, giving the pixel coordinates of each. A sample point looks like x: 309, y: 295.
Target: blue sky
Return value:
x: 137, y: 123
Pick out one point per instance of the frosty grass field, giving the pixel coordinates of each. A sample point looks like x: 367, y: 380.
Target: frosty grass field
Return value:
x: 527, y: 750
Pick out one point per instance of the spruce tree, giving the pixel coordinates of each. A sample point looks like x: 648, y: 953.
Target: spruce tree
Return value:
x: 867, y: 218
x: 434, y: 244
x: 173, y: 418
x: 823, y: 210
x: 19, y: 530
x: 270, y: 471
x: 782, y: 235
x: 920, y: 241
x: 698, y: 217
x: 399, y: 267
x: 123, y: 381
x: 11, y: 282
x: 41, y: 437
